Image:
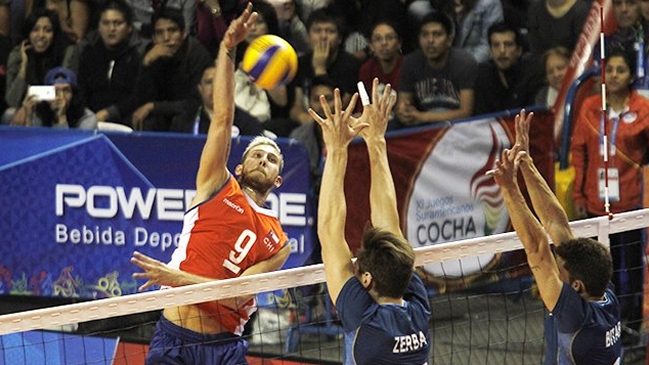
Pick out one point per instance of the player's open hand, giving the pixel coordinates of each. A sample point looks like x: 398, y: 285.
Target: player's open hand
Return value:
x: 505, y: 170
x: 377, y: 113
x: 522, y: 124
x: 239, y: 28
x: 338, y: 127
x: 157, y: 273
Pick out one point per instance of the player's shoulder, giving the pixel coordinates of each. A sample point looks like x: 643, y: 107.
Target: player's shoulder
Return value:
x: 212, y: 189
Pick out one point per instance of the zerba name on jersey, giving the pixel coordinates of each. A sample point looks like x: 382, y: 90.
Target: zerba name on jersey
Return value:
x: 107, y: 202
x: 408, y: 343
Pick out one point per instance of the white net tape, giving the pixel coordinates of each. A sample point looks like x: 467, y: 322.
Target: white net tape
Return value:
x: 599, y: 227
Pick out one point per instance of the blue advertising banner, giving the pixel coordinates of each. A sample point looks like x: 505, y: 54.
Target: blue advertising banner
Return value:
x: 74, y: 205
x: 54, y: 348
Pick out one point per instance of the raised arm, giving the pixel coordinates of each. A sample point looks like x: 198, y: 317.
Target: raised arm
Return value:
x: 212, y: 171
x: 545, y: 203
x: 529, y: 229
x: 383, y: 197
x: 338, y: 129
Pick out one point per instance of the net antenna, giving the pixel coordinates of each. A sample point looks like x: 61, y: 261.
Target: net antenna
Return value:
x: 604, y: 122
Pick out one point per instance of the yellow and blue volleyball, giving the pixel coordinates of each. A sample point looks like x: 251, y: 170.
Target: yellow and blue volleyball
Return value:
x: 270, y: 61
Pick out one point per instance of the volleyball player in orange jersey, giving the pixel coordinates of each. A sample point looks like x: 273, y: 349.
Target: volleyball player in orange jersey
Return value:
x: 226, y: 234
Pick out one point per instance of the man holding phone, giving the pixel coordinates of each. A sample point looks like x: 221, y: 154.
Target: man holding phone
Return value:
x: 42, y: 92
x: 55, y: 104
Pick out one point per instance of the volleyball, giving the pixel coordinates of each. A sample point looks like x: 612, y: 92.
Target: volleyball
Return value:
x: 270, y: 61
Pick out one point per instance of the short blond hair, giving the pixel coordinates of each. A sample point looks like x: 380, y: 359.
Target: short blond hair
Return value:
x: 260, y: 141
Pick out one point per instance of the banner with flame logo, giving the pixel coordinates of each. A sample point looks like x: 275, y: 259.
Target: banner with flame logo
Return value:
x: 443, y: 193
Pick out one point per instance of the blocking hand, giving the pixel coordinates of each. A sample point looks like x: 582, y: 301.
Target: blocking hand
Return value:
x: 377, y: 113
x: 505, y: 171
x: 239, y: 28
x: 339, y: 127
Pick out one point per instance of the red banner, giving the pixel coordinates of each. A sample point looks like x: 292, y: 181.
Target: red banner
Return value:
x: 442, y: 191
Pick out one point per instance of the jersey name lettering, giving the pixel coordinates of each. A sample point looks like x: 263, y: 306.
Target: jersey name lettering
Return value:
x: 613, y: 335
x: 407, y: 343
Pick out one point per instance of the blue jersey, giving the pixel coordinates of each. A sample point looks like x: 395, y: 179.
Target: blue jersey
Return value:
x: 582, y: 332
x: 381, y: 334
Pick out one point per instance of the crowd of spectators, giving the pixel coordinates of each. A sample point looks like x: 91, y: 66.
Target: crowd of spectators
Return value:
x: 141, y: 63
x: 149, y: 64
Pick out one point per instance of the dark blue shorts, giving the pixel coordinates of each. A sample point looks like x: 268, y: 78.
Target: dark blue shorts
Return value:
x: 174, y: 345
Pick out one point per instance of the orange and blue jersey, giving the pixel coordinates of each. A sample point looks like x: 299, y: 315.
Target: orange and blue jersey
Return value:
x: 224, y: 236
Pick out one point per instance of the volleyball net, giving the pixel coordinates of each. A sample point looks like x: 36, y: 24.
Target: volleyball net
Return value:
x: 499, y: 321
